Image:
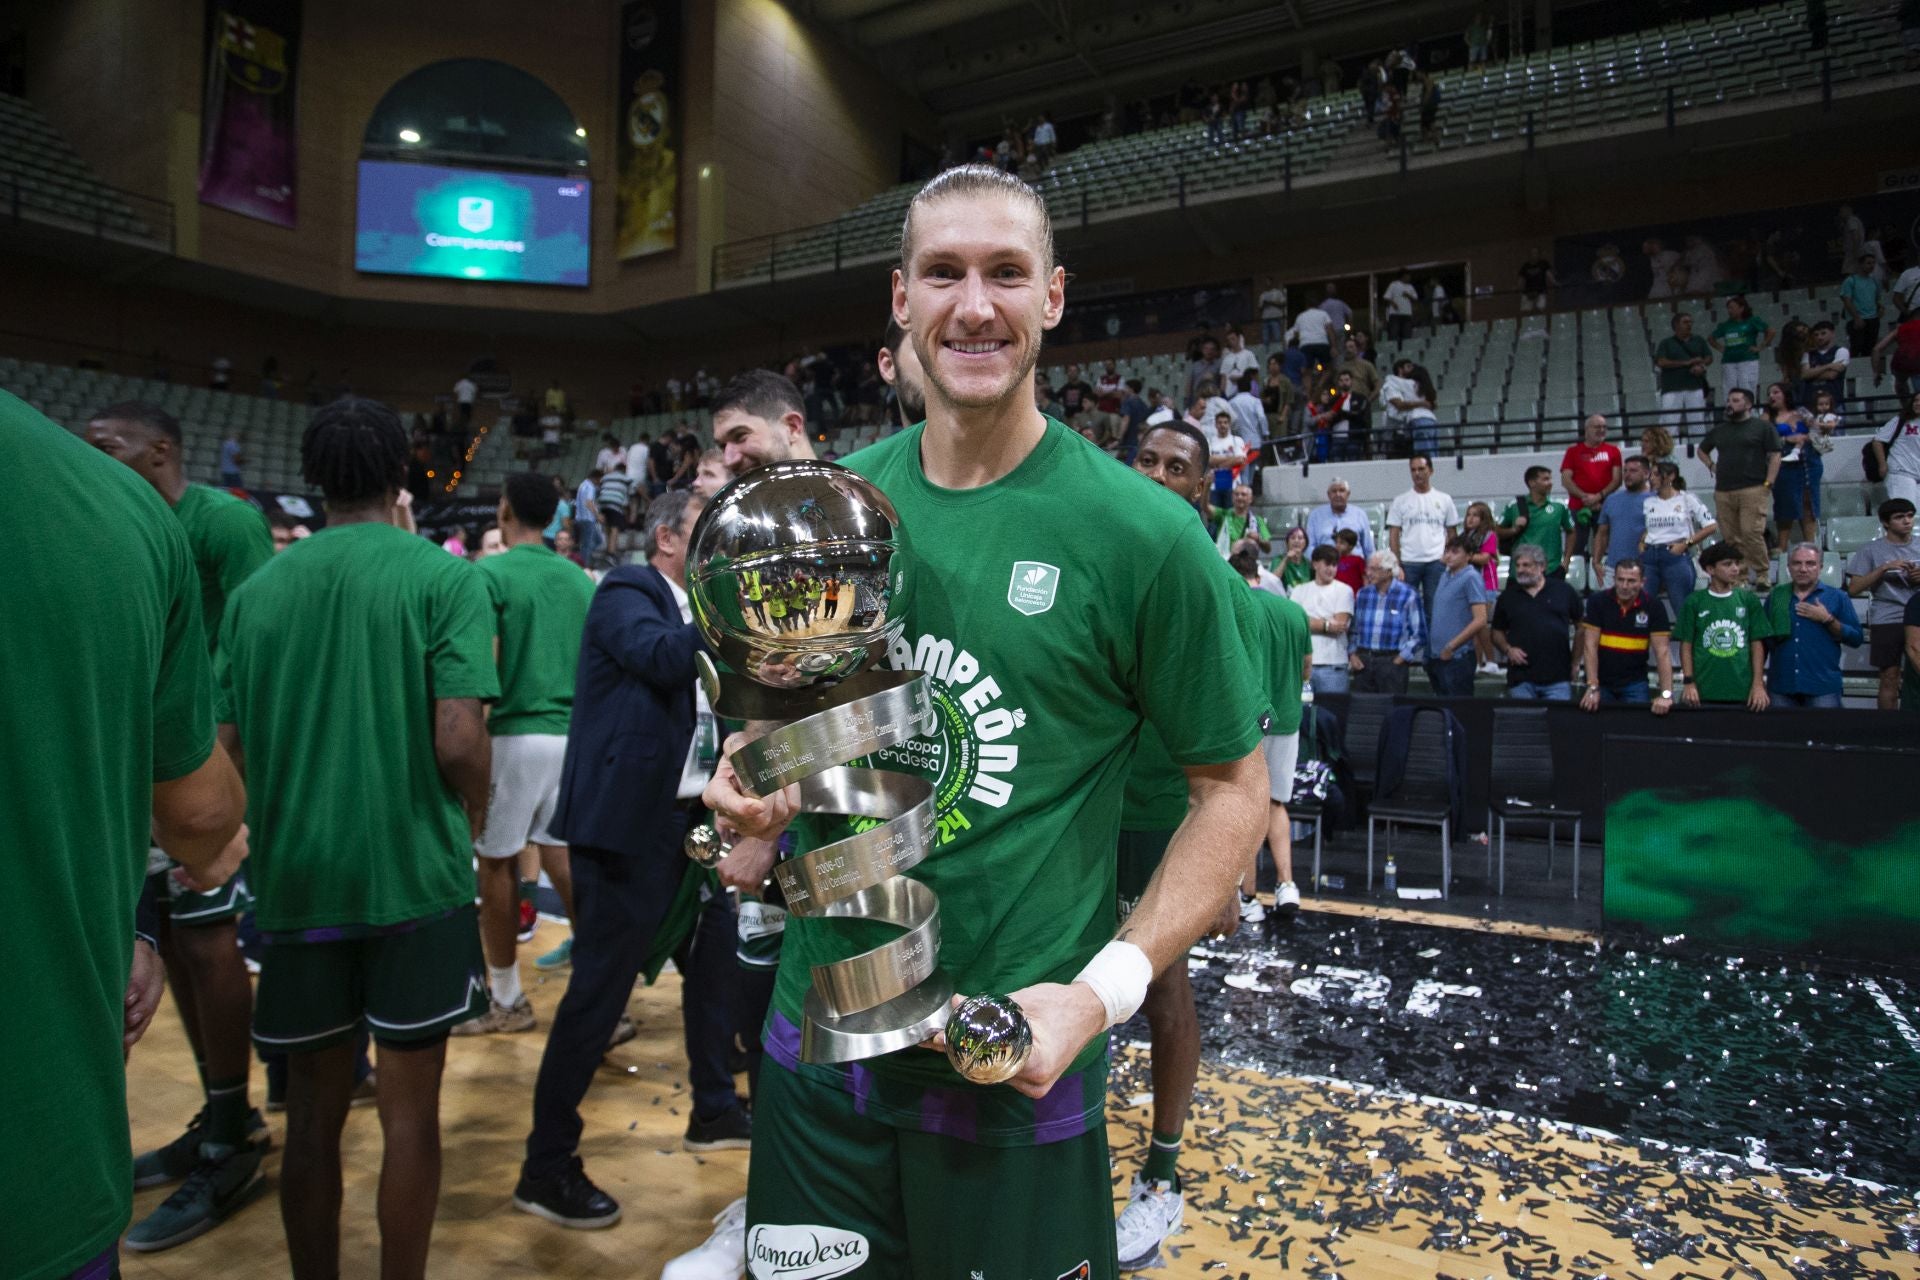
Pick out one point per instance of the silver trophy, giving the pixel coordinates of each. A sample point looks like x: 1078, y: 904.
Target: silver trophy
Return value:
x: 799, y: 582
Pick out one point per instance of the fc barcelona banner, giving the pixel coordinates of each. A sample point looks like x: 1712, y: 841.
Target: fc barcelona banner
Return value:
x: 247, y: 115
x: 649, y: 144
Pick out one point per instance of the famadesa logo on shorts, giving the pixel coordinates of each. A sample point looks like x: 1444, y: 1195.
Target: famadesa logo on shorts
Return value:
x: 802, y: 1252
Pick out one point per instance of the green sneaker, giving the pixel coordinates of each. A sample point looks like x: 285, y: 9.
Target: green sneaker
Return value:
x: 179, y: 1158
x: 224, y: 1180
x: 558, y: 958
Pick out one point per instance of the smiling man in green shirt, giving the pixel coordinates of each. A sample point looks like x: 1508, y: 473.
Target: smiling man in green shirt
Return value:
x: 1048, y: 641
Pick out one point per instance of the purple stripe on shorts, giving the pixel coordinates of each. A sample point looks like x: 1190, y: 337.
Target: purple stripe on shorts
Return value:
x: 952, y: 1113
x: 781, y: 1040
x: 1062, y: 1113
x: 860, y: 1081
x: 101, y: 1267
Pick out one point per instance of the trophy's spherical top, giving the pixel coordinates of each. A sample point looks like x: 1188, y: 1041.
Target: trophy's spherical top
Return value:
x: 704, y: 846
x: 796, y: 574
x: 988, y: 1039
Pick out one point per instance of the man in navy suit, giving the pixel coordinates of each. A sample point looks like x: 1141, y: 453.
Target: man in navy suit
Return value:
x: 627, y: 790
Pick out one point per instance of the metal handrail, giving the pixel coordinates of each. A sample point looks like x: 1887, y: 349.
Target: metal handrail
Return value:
x: 103, y: 209
x: 755, y: 256
x: 1486, y: 437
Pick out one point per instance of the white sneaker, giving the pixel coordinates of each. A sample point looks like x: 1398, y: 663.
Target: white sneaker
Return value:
x: 723, y: 1256
x: 1152, y: 1214
x: 1286, y: 899
x: 1251, y: 912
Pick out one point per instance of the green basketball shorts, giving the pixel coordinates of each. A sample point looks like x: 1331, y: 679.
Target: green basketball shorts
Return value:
x: 832, y: 1192
x: 1140, y: 853
x: 189, y: 907
x: 410, y: 984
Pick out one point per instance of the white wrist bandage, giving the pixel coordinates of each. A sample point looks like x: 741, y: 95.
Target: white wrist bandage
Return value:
x: 1119, y: 975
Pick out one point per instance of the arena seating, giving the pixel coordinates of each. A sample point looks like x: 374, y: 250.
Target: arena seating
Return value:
x: 1703, y: 62
x: 43, y: 178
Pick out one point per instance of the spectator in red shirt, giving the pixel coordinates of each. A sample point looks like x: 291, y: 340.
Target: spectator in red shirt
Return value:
x: 1352, y: 568
x: 1589, y: 471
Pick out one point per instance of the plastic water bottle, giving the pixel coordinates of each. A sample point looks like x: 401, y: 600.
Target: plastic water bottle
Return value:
x: 1393, y: 875
x: 1306, y: 693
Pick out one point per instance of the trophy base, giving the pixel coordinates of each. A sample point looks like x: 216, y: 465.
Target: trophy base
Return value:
x: 900, y: 1023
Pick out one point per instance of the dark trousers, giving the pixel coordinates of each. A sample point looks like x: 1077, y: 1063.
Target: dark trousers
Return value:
x: 1452, y: 677
x: 1379, y: 673
x: 619, y: 903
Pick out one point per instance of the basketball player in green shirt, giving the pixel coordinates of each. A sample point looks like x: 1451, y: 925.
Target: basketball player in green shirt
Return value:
x: 108, y: 740
x: 540, y: 610
x: 1275, y: 647
x: 199, y: 937
x: 1048, y: 642
x: 352, y: 672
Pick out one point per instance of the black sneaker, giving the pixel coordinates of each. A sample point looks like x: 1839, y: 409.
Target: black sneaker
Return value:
x: 181, y: 1157
x: 569, y: 1199
x: 731, y: 1130
x: 223, y: 1181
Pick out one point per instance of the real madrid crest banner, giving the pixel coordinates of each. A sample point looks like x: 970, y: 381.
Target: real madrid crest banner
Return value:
x: 247, y: 151
x: 648, y: 196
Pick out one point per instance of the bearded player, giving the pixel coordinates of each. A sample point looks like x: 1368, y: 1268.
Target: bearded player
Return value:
x: 1047, y: 643
x: 758, y: 417
x: 219, y: 1154
x: 1273, y: 631
x: 900, y: 369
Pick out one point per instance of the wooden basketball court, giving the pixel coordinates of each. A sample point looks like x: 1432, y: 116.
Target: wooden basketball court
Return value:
x: 1285, y: 1176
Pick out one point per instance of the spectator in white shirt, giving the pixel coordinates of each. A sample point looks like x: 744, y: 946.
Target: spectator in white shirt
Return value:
x: 464, y: 392
x: 1250, y: 424
x: 611, y: 457
x: 1238, y: 360
x: 1044, y: 140
x: 1409, y: 413
x: 1897, y: 446
x: 1418, y: 525
x: 1329, y: 606
x: 1227, y: 451
x: 1273, y: 313
x: 1400, y: 297
x: 1314, y: 328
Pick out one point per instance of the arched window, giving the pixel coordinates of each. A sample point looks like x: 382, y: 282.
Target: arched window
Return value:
x: 475, y: 109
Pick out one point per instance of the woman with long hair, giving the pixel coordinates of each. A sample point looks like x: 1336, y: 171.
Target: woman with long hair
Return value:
x: 1797, y: 488
x: 1794, y: 340
x: 1676, y: 522
x: 1655, y: 443
x: 1479, y: 527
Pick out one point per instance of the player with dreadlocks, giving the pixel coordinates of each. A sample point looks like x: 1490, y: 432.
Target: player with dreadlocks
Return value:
x: 351, y: 673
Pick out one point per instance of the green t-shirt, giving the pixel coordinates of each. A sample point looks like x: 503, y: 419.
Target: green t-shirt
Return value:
x: 1291, y: 574
x: 1048, y: 642
x: 1741, y: 339
x: 230, y: 539
x: 1547, y: 525
x: 330, y: 661
x: 1682, y: 378
x: 1155, y: 798
x: 539, y: 608
x: 1232, y: 528
x: 1721, y: 628
x: 104, y: 677
x: 1285, y: 648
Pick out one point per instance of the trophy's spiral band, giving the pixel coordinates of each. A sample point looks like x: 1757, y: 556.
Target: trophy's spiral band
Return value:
x: 894, y: 995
